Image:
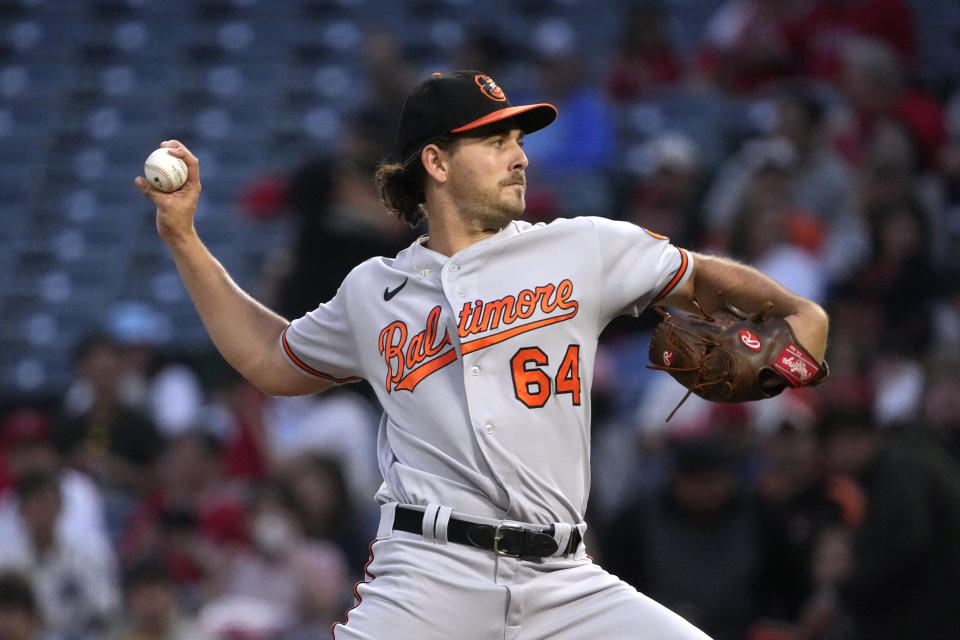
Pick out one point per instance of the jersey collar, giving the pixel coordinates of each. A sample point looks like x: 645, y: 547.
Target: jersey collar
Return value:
x: 420, y: 260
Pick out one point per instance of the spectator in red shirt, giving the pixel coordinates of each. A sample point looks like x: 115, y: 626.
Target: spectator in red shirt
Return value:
x: 746, y: 48
x: 194, y: 519
x: 878, y: 94
x: 819, y: 34
x: 645, y: 59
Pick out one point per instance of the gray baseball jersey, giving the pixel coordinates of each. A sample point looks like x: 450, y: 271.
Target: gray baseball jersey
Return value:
x: 483, y: 361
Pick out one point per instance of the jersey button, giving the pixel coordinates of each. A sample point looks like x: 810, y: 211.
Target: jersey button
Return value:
x: 461, y: 293
x: 474, y: 371
x: 489, y: 429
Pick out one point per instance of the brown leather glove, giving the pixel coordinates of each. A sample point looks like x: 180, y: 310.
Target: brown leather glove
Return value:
x: 731, y: 356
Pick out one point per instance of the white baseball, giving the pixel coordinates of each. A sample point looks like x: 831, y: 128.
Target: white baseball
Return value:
x: 165, y: 172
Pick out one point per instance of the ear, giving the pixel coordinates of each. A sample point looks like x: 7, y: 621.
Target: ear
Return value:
x: 435, y: 161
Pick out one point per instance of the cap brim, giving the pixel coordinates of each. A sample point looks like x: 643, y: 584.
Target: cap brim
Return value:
x: 529, y: 117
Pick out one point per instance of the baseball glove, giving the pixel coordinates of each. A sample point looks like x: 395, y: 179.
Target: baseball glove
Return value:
x: 731, y: 356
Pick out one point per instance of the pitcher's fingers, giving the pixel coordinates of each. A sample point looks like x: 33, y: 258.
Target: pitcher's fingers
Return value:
x: 173, y: 145
x: 177, y: 148
x: 146, y: 188
x: 181, y: 151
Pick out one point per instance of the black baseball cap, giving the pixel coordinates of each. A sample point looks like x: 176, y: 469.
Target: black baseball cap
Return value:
x: 461, y: 101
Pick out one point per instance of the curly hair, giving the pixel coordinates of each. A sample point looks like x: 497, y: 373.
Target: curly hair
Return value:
x: 400, y: 185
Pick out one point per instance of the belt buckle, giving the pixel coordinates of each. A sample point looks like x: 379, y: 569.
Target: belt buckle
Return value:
x: 497, y: 537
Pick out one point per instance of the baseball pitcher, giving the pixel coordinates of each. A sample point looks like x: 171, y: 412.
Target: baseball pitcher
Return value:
x: 479, y: 340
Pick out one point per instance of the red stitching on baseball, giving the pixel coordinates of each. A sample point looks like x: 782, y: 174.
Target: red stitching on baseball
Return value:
x: 168, y: 184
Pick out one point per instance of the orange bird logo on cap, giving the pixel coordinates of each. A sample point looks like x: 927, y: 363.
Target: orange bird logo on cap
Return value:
x: 490, y: 88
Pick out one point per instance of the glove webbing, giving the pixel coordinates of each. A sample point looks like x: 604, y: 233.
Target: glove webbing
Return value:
x: 697, y: 383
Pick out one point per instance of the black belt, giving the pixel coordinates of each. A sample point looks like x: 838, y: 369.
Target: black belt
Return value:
x: 505, y: 539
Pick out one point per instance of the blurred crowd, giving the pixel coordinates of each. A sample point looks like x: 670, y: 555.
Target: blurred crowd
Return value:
x: 162, y: 497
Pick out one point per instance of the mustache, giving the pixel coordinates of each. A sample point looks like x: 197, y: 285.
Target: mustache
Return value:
x: 517, y: 178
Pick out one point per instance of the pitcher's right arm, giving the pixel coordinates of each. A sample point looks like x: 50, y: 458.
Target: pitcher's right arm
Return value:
x: 246, y: 333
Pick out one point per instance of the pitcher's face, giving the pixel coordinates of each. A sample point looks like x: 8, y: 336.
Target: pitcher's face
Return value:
x: 488, y: 178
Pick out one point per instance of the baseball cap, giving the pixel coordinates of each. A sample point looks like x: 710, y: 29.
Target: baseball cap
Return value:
x: 461, y: 101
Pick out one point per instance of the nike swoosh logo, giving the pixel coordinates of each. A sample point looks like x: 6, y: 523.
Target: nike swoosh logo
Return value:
x: 388, y: 294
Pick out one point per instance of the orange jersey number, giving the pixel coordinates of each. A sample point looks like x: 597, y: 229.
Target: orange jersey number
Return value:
x: 532, y: 385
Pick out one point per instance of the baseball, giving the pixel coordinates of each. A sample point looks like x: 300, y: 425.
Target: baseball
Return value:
x: 165, y: 172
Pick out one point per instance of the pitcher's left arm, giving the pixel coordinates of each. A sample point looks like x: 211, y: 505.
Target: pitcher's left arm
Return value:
x: 748, y: 289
